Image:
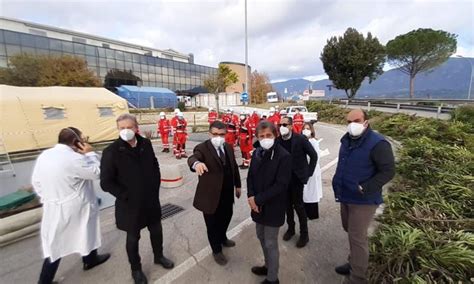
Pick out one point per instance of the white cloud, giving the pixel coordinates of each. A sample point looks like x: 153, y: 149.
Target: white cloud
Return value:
x: 285, y: 36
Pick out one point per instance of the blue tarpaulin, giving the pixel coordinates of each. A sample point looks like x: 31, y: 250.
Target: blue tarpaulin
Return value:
x: 140, y: 96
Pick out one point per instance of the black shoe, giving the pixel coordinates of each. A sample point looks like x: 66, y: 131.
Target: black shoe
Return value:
x: 220, y: 258
x: 101, y: 258
x: 260, y: 270
x: 344, y: 269
x: 302, y: 241
x: 164, y: 150
x: 139, y: 277
x: 268, y: 282
x: 167, y: 150
x: 243, y: 167
x: 288, y: 235
x: 165, y: 262
x: 228, y: 243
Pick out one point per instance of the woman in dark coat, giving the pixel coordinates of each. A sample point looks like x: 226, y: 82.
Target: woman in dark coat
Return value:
x: 131, y: 173
x: 267, y: 185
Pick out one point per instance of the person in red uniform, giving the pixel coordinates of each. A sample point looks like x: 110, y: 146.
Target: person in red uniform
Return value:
x: 236, y: 122
x: 181, y: 137
x: 231, y: 128
x: 212, y: 116
x: 273, y: 118
x: 174, y: 123
x: 298, y: 122
x: 254, y: 119
x: 277, y: 112
x: 164, y: 127
x: 245, y: 142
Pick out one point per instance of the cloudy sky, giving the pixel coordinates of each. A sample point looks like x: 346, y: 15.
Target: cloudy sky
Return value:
x: 285, y: 36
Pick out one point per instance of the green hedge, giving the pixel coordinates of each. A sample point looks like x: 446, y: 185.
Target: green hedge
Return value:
x: 426, y: 232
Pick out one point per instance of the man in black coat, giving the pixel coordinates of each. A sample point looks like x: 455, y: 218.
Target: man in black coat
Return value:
x: 267, y: 186
x: 214, y: 162
x: 300, y: 148
x: 130, y: 172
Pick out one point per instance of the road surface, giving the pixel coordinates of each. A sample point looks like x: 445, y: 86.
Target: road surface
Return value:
x: 185, y: 240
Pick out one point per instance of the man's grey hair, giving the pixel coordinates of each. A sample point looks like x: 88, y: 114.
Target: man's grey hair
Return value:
x: 127, y: 116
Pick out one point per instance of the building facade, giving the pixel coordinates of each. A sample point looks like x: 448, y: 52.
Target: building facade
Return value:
x: 114, y: 62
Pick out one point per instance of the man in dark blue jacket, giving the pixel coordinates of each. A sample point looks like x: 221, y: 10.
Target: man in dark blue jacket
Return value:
x: 300, y: 149
x: 365, y: 164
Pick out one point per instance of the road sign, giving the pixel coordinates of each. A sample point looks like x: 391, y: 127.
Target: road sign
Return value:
x: 244, y: 97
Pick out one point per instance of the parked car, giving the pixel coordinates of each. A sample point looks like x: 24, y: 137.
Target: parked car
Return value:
x: 308, y: 116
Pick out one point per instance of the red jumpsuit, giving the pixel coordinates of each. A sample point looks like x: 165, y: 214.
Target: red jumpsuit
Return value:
x: 181, y: 138
x: 274, y: 119
x: 212, y: 116
x: 164, y: 128
x: 298, y: 122
x: 255, y: 119
x: 174, y: 124
x: 252, y: 125
x: 245, y: 142
x: 231, y: 129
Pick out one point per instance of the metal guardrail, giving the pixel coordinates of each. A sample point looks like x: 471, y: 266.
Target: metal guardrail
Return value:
x: 438, y: 109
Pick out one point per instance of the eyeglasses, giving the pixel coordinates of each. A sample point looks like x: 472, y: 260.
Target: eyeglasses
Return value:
x: 284, y: 124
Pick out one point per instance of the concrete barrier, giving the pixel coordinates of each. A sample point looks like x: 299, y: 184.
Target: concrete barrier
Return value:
x: 171, y: 176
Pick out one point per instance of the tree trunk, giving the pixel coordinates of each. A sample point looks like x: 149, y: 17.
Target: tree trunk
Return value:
x: 412, y: 87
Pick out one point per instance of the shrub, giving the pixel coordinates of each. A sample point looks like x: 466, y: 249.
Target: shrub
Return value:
x: 464, y: 114
x: 181, y: 106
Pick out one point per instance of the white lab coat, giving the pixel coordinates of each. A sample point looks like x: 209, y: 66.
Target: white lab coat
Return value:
x: 313, y: 190
x: 62, y: 179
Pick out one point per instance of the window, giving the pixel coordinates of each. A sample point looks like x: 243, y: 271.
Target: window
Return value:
x: 2, y: 38
x: 106, y: 111
x: 150, y: 60
x: 41, y: 42
x: 91, y: 60
x: 127, y: 56
x: 110, y: 63
x: 27, y: 40
x: 11, y: 37
x: 79, y: 48
x: 37, y: 32
x: 3, y: 61
x: 90, y: 50
x: 12, y: 49
x: 136, y: 57
x: 28, y: 50
x: 119, y: 55
x: 78, y: 39
x: 110, y: 53
x: 3, y: 52
x: 67, y: 47
x: 55, y: 44
x: 101, y: 52
x: 53, y: 113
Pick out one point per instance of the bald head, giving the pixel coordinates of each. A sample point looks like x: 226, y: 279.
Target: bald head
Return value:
x: 357, y: 115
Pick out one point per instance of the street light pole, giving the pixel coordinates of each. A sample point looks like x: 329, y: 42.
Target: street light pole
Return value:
x: 470, y: 80
x: 246, y: 55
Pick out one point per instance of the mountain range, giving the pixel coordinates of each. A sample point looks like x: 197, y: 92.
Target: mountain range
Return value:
x: 450, y: 80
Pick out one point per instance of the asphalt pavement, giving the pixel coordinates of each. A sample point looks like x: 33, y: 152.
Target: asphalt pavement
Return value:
x: 186, y: 243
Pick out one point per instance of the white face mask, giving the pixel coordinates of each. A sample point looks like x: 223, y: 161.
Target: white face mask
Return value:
x: 127, y: 134
x: 355, y: 129
x: 162, y: 117
x: 242, y: 117
x: 284, y: 130
x: 217, y: 141
x: 267, y: 143
x: 307, y: 132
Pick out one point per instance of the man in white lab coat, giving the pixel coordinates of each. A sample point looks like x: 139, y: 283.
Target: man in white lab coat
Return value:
x: 62, y: 177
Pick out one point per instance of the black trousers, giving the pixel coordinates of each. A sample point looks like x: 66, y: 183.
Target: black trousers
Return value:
x: 295, y: 202
x: 133, y: 238
x: 218, y: 223
x: 50, y: 268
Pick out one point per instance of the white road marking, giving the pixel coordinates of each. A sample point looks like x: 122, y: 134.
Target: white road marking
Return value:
x: 205, y: 252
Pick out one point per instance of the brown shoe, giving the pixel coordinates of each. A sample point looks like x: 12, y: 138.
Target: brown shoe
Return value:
x: 220, y: 258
